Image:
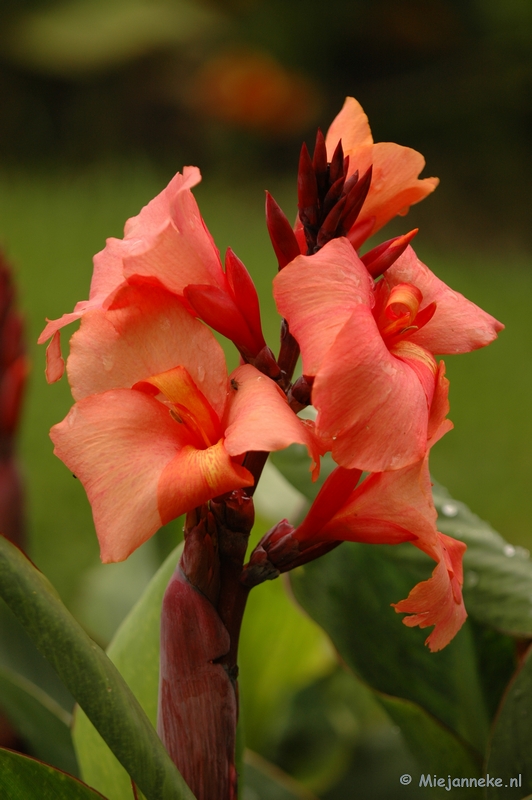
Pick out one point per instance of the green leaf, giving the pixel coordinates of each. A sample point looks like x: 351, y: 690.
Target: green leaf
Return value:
x: 497, y: 575
x: 23, y: 778
x: 39, y: 719
x: 135, y: 652
x: 265, y: 781
x: 280, y: 651
x: 435, y: 748
x: 90, y: 676
x: 349, y: 593
x: 509, y: 749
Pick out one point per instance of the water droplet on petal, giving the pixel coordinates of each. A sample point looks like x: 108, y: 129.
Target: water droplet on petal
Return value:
x: 107, y: 363
x: 449, y: 510
x: 509, y: 550
x: 201, y: 373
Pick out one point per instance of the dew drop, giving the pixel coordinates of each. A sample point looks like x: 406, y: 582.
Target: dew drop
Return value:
x: 107, y: 363
x: 509, y: 550
x: 201, y: 373
x: 449, y: 510
x: 334, y: 438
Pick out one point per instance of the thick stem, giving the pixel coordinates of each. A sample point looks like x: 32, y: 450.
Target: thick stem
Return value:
x: 200, y: 626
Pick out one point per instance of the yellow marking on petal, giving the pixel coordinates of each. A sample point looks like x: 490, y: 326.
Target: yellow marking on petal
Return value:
x: 190, y: 405
x: 406, y: 349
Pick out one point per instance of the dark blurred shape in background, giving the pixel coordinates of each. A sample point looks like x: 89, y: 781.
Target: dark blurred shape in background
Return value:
x: 239, y: 82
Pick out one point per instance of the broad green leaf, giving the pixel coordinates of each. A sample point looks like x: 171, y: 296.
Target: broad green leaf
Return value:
x: 436, y: 750
x: 497, y: 575
x: 280, y: 651
x: 135, y: 652
x: 509, y: 752
x: 23, y: 778
x: 265, y: 781
x: 349, y: 592
x: 39, y: 719
x: 90, y: 676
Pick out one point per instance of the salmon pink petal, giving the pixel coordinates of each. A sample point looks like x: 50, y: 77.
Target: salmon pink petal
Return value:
x: 317, y: 295
x: 438, y: 601
x: 352, y: 127
x: 155, y: 213
x: 259, y: 417
x: 55, y: 364
x: 458, y: 326
x: 169, y: 241
x: 118, y: 445
x: 395, y: 185
x: 195, y: 476
x: 149, y: 332
x: 384, y: 423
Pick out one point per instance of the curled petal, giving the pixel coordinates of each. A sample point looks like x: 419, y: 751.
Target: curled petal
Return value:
x: 438, y: 601
x: 458, y: 325
x: 106, y: 278
x: 55, y: 363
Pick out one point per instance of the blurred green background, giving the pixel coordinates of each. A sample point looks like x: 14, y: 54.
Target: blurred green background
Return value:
x: 104, y: 100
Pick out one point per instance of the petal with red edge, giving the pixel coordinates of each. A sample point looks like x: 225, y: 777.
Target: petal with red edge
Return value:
x: 317, y: 295
x: 148, y: 334
x: 458, y: 326
x: 195, y: 476
x: 118, y: 444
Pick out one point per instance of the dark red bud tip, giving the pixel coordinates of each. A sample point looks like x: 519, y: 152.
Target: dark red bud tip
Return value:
x: 336, y: 167
x: 301, y: 390
x: 319, y: 160
x: 355, y: 200
x: 330, y: 227
x: 307, y: 189
x: 259, y: 569
x: 380, y: 258
x: 265, y: 362
x: 282, y: 236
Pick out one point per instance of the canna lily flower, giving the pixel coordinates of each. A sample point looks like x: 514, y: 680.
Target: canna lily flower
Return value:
x: 369, y: 348
x: 385, y: 508
x: 159, y: 427
x: 395, y: 185
x: 168, y: 244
